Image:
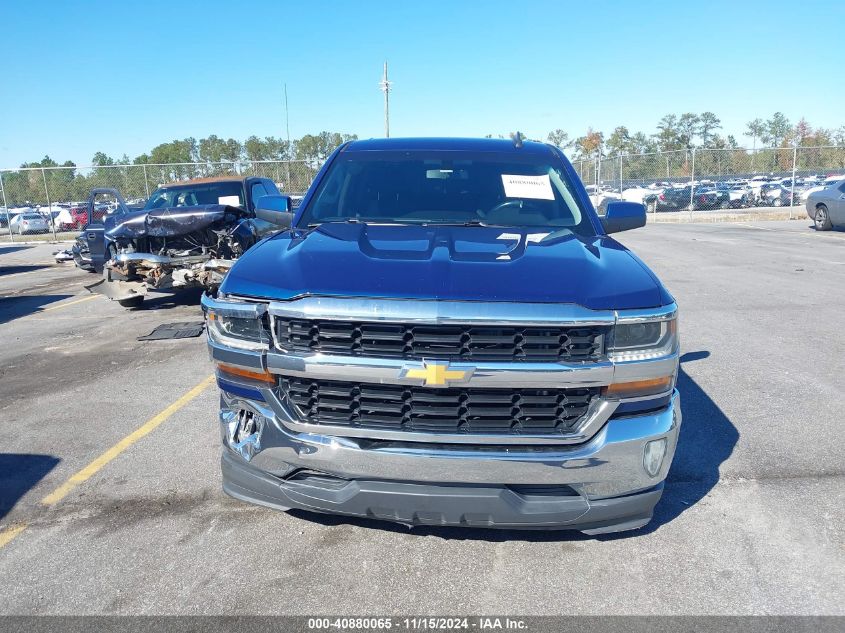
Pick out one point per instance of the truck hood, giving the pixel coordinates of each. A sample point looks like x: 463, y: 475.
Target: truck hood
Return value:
x: 171, y: 221
x: 446, y: 263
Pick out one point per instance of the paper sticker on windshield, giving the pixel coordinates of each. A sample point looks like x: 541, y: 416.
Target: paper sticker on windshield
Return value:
x: 533, y: 187
x: 232, y: 201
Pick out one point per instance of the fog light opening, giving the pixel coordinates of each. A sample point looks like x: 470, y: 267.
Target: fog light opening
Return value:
x: 245, y: 426
x: 245, y: 433
x: 653, y: 455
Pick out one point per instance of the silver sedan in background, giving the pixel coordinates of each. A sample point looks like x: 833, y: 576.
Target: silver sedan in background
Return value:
x: 31, y: 222
x: 826, y: 208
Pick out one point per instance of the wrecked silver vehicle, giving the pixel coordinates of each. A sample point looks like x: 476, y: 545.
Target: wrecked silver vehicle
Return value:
x: 188, y: 234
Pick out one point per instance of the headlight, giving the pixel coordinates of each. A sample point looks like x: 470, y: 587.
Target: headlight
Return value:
x: 236, y: 324
x: 643, y: 339
x: 237, y: 332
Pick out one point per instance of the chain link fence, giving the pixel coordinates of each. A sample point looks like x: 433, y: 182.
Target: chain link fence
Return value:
x: 51, y: 200
x: 57, y: 194
x: 620, y: 171
x: 644, y: 177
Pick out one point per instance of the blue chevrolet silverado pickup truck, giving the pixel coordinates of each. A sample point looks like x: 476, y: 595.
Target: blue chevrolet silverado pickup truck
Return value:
x: 445, y: 334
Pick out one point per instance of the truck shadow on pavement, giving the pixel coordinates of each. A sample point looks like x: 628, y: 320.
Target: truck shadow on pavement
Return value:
x: 706, y: 440
x: 5, y: 250
x: 189, y: 297
x: 12, y: 308
x: 18, y: 474
x: 21, y: 268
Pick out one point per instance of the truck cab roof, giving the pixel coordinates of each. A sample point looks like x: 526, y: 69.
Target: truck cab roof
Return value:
x: 445, y: 144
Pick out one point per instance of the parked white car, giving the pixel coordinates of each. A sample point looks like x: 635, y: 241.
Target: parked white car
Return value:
x: 56, y: 215
x: 600, y: 195
x: 756, y: 183
x: 638, y: 194
x: 829, y: 181
x: 740, y: 195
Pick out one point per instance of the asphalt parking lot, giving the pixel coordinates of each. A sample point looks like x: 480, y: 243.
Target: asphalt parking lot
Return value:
x: 751, y: 522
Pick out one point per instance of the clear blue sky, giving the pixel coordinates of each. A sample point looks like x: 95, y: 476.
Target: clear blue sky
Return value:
x: 121, y: 77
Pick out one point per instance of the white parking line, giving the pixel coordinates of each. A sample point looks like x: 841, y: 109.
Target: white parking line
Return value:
x: 759, y: 228
x: 805, y: 234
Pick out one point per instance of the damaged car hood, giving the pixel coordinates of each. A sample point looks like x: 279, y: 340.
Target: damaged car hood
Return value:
x: 447, y: 263
x: 172, y: 221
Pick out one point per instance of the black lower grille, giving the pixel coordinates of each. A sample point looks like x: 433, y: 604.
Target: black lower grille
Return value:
x: 449, y: 342
x: 453, y: 410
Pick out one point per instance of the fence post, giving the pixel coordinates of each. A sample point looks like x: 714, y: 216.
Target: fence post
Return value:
x: 6, y: 209
x: 691, y: 185
x: 49, y: 204
x: 792, y: 188
x: 620, y: 175
x: 598, y: 171
x: 146, y: 182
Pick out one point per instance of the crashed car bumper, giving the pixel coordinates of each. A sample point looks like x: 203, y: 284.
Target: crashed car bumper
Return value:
x: 149, y: 271
x: 598, y: 486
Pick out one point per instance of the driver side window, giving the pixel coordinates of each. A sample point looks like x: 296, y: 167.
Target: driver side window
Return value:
x: 256, y: 192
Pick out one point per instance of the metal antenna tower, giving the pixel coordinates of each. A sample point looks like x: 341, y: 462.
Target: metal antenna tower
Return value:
x: 385, y: 88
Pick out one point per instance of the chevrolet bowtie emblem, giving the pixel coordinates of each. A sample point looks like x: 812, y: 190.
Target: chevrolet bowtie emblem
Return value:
x: 436, y: 374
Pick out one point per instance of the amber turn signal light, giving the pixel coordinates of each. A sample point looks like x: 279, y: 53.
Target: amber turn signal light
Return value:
x: 260, y: 376
x: 639, y: 387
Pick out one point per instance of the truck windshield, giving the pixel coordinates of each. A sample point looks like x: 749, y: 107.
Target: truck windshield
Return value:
x: 189, y: 195
x: 497, y: 189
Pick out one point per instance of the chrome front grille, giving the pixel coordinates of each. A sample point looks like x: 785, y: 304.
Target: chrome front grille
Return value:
x: 426, y: 410
x: 446, y: 342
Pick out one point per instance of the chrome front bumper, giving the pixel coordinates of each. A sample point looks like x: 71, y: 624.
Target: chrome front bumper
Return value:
x: 610, y: 464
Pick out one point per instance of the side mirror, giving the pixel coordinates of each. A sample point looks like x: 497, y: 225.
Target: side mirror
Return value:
x: 623, y: 216
x: 275, y: 209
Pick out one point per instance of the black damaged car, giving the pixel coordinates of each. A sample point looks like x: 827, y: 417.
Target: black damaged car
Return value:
x: 187, y: 235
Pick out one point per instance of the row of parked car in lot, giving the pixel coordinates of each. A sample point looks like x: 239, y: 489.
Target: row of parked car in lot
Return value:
x: 657, y: 196
x: 758, y: 191
x: 32, y: 219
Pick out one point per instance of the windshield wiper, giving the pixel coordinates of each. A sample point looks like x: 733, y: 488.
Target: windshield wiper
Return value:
x: 397, y: 222
x: 475, y: 222
x: 354, y: 221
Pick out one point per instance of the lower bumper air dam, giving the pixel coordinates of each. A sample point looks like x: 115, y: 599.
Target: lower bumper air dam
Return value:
x: 410, y: 503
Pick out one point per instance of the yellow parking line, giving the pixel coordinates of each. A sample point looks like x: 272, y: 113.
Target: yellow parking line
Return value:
x: 7, y: 535
x: 145, y: 429
x: 71, y: 303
